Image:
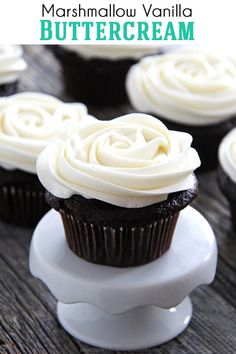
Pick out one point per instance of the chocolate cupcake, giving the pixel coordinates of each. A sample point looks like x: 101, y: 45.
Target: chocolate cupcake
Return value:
x: 189, y: 90
x: 96, y: 74
x: 119, y: 187
x: 12, y: 65
x: 28, y: 122
x: 227, y: 172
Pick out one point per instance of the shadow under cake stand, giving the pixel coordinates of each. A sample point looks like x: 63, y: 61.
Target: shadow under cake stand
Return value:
x: 125, y: 308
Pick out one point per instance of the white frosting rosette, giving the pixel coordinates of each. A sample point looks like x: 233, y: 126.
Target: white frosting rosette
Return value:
x: 11, y: 63
x: 29, y: 121
x: 192, y: 87
x: 113, y: 52
x: 227, y: 154
x: 132, y: 161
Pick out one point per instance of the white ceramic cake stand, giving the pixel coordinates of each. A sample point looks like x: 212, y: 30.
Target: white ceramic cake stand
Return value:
x: 125, y: 308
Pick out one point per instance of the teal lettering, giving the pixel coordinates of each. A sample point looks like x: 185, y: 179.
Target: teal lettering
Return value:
x: 46, y: 30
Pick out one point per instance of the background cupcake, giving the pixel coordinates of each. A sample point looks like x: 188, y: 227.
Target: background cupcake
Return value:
x: 190, y: 90
x: 95, y: 74
x: 12, y: 65
x: 119, y: 187
x: 28, y: 122
x: 227, y: 172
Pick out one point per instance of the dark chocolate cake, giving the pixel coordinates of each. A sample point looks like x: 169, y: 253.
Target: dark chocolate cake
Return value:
x: 107, y: 234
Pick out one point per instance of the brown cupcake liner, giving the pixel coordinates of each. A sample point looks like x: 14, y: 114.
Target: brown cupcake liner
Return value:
x: 228, y: 189
x: 233, y: 215
x: 119, y: 246
x: 21, y: 205
x: 8, y: 89
x: 98, y: 82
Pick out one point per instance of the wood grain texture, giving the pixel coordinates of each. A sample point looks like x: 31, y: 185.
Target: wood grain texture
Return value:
x: 28, y: 323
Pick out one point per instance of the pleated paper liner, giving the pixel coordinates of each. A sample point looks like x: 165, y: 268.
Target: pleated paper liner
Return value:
x: 233, y: 215
x: 8, y: 89
x: 228, y: 188
x: 99, y: 82
x: 22, y: 205
x: 119, y: 246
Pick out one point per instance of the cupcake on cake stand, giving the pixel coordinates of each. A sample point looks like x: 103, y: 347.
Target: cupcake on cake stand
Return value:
x: 119, y: 187
x: 125, y: 308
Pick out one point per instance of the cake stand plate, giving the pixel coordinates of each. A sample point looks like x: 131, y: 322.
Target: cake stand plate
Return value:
x: 125, y: 308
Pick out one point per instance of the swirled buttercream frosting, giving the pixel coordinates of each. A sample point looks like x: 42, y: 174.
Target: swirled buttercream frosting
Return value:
x: 11, y: 63
x: 112, y: 52
x: 227, y: 154
x: 29, y: 121
x: 193, y: 87
x: 132, y: 161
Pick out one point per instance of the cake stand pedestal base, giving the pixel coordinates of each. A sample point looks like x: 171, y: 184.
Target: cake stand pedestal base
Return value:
x: 140, y: 328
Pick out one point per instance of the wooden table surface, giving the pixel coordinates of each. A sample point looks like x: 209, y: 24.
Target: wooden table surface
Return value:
x: 28, y: 322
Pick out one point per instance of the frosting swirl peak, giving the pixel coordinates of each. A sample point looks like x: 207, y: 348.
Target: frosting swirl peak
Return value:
x: 132, y: 161
x: 190, y: 86
x: 28, y: 122
x: 11, y: 63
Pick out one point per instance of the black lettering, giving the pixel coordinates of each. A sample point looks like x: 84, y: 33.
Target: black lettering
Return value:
x: 147, y: 12
x: 44, y: 9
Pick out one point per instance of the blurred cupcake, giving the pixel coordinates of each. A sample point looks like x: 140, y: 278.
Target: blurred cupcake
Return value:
x: 189, y: 90
x: 95, y: 74
x: 227, y: 171
x: 28, y: 122
x: 12, y: 65
x: 119, y: 186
